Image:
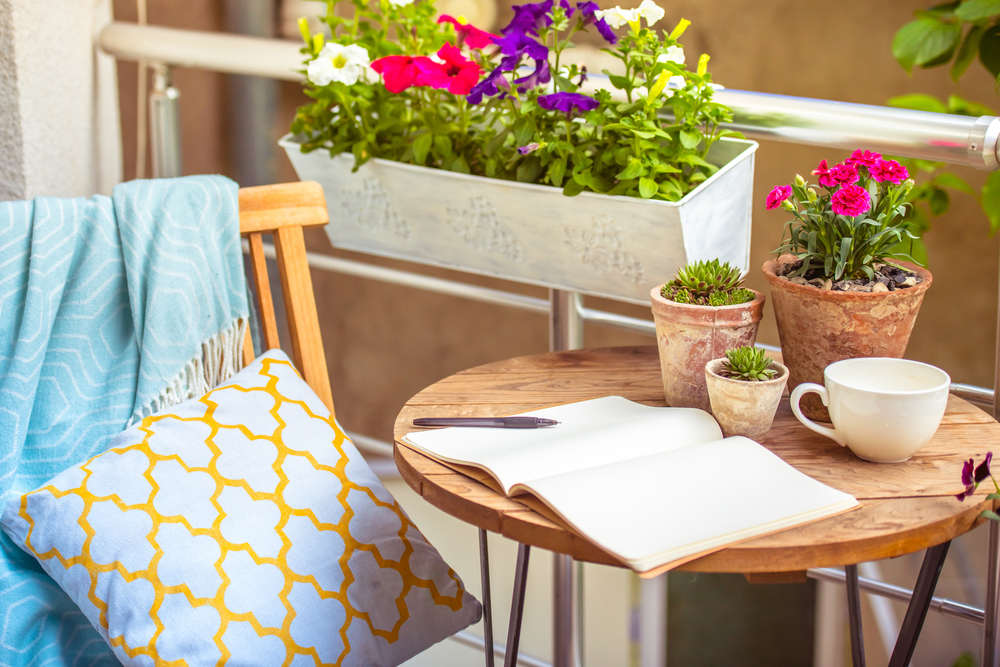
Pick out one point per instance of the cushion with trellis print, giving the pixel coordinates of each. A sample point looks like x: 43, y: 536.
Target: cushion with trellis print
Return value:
x: 241, y: 528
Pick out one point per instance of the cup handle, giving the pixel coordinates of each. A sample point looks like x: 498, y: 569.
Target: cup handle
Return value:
x: 797, y: 395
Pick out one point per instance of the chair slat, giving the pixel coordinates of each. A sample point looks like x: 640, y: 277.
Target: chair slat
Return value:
x: 300, y: 307
x: 268, y: 207
x: 265, y: 304
x: 247, y: 349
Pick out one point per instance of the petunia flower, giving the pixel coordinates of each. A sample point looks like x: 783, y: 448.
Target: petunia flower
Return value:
x: 617, y: 17
x: 888, y: 170
x: 568, y: 103
x: 539, y: 76
x: 850, y: 200
x: 517, y: 44
x: 398, y: 72
x: 338, y: 63
x: 530, y: 17
x: 489, y: 86
x: 779, y: 194
x: 650, y: 11
x: 863, y: 158
x: 673, y: 54
x: 457, y: 73
x: 469, y: 34
x: 528, y: 148
x: 973, y: 475
x: 588, y: 11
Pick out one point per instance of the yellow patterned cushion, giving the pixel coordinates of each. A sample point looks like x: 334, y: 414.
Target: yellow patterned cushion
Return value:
x: 241, y: 528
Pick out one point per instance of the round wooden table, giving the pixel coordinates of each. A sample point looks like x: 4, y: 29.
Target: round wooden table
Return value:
x: 905, y: 507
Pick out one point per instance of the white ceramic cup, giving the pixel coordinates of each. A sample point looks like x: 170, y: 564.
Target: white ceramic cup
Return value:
x: 883, y: 409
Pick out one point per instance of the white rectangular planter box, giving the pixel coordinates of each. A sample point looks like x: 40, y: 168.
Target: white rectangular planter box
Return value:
x: 618, y: 247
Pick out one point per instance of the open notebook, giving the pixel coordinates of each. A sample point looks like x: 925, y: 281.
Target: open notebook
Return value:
x: 654, y: 487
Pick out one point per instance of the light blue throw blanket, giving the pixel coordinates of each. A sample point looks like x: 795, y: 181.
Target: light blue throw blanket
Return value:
x: 110, y: 309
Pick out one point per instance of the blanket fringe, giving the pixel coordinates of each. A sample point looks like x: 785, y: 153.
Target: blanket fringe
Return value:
x: 221, y: 357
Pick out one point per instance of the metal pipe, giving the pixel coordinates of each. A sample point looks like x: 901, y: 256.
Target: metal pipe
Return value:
x: 165, y: 124
x: 932, y: 136
x: 991, y: 617
x: 941, y: 605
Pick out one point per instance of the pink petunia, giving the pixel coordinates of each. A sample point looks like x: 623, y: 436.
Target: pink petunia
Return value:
x: 778, y: 195
x: 469, y: 34
x: 861, y: 158
x: 850, y: 200
x: 457, y: 74
x: 823, y: 172
x: 889, y: 170
x: 399, y: 72
x: 844, y: 174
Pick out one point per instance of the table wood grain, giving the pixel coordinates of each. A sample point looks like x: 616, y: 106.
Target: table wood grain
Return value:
x: 905, y: 507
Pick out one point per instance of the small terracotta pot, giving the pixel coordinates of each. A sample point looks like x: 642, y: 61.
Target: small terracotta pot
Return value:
x: 688, y: 337
x: 818, y: 327
x: 744, y: 408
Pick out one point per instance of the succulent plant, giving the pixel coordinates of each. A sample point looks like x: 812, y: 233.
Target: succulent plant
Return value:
x: 747, y: 363
x: 708, y: 283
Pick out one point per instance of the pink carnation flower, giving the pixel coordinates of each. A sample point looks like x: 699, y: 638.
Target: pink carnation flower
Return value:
x: 778, y: 195
x: 889, y: 170
x: 823, y: 172
x: 863, y: 158
x: 850, y: 200
x: 844, y: 174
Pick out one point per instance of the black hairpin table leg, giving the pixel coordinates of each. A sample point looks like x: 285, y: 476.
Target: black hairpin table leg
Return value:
x: 854, y: 613
x: 484, y: 568
x: 517, y: 605
x: 916, y: 611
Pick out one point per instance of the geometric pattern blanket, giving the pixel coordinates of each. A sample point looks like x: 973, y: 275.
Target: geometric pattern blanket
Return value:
x: 110, y: 310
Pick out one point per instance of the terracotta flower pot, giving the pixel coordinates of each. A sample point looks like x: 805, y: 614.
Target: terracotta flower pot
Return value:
x: 818, y: 327
x: 689, y: 336
x: 741, y: 407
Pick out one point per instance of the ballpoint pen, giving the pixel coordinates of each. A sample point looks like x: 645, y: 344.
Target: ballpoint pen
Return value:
x: 486, y: 422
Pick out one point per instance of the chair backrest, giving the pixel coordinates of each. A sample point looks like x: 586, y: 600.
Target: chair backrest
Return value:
x: 282, y: 211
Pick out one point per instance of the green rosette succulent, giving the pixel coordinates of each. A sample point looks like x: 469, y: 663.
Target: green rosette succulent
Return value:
x: 747, y: 363
x: 708, y: 283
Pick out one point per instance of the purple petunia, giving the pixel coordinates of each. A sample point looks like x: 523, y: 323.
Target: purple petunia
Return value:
x: 489, y: 86
x: 587, y: 10
x: 516, y: 43
x: 528, y: 18
x: 567, y: 102
x: 973, y: 475
x: 539, y: 76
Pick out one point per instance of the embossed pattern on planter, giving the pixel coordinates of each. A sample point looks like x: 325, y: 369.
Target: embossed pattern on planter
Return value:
x: 371, y: 208
x: 602, y: 249
x: 480, y: 227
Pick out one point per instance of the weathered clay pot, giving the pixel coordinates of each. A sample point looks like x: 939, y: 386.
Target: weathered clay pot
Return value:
x: 818, y: 327
x: 688, y: 337
x: 744, y: 408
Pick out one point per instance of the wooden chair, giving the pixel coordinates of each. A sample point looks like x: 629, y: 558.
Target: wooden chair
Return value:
x: 283, y: 210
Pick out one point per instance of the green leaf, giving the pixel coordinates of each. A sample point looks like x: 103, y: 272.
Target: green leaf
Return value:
x: 556, y: 171
x: 564, y: 84
x: 989, y: 50
x: 990, y: 515
x: 619, y: 82
x: 966, y: 52
x: 947, y: 180
x: 993, y: 496
x: 921, y: 41
x: 529, y: 170
x: 918, y: 102
x: 939, y: 201
x: 421, y: 146
x: 443, y: 146
x: 494, y: 144
x: 460, y: 165
x: 990, y: 200
x: 974, y: 10
x: 690, y: 138
x: 633, y: 170
x: 647, y: 188
x: 964, y: 107
x: 524, y: 129
x: 573, y: 188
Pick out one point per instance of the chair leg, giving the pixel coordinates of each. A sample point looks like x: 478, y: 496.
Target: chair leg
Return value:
x: 484, y: 568
x: 854, y: 613
x: 916, y: 611
x: 517, y: 605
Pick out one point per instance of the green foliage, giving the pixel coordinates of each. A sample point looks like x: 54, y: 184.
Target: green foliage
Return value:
x: 619, y: 148
x: 965, y: 660
x: 708, y: 283
x: 845, y: 247
x: 747, y: 363
x: 935, y: 39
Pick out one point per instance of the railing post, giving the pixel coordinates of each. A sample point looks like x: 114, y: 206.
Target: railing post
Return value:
x: 991, y: 647
x: 165, y: 124
x: 566, y: 333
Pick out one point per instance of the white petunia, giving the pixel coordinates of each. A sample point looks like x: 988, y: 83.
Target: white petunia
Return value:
x: 617, y: 17
x: 400, y: 3
x: 674, y: 54
x: 650, y: 11
x: 337, y: 62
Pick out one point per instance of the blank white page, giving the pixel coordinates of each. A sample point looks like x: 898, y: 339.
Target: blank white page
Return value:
x: 672, y: 505
x: 590, y: 433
